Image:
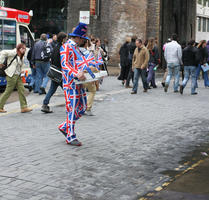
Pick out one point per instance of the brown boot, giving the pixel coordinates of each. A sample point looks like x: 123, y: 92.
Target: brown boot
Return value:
x: 25, y: 110
x: 2, y: 110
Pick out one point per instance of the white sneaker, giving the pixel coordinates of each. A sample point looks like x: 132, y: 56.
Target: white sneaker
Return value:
x: 89, y: 113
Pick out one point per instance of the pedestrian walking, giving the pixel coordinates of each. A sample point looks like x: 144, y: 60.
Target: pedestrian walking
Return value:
x: 13, y: 76
x: 202, y: 56
x: 55, y: 60
x: 153, y: 61
x: 173, y: 57
x: 41, y: 61
x: 124, y: 63
x: 75, y: 96
x: 165, y: 67
x: 189, y: 59
x: 131, y: 49
x: 139, y: 65
x: 90, y: 86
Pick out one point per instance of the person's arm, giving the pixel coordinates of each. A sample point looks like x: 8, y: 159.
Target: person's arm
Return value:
x: 65, y: 53
x: 133, y: 59
x: 179, y: 51
x: 7, y: 53
x: 146, y: 59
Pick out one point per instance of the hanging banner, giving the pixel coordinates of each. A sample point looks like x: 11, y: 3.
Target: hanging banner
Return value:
x: 92, y: 7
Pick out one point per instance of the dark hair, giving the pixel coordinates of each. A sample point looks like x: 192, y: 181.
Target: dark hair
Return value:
x: 174, y: 36
x: 191, y: 42
x: 139, y: 40
x: 60, y: 37
x: 133, y: 38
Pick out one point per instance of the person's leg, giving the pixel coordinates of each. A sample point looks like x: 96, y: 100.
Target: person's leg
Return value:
x: 50, y: 93
x: 39, y: 77
x: 33, y: 77
x: 46, y: 67
x: 164, y: 76
x: 193, y: 77
x: 186, y: 75
x: 129, y: 77
x: 169, y: 76
x: 20, y: 89
x: 177, y: 77
x: 197, y: 74
x: 11, y: 83
x: 153, y: 80
x: 206, y: 81
x: 150, y: 73
x: 136, y: 79
x: 144, y: 78
x: 92, y: 91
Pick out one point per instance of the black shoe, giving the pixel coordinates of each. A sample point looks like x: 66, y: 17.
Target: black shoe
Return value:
x: 194, y: 93
x: 181, y: 89
x: 30, y: 88
x: 163, y: 84
x: 149, y: 87
x: 145, y: 90
x: 176, y: 91
x: 155, y: 86
x: 166, y: 88
x: 63, y: 132
x: 133, y: 92
x: 43, y: 91
x: 46, y: 109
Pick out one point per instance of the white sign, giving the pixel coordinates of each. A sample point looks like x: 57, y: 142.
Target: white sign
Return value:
x: 85, y: 17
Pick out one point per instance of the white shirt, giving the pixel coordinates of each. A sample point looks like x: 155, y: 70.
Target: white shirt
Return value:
x: 173, y: 53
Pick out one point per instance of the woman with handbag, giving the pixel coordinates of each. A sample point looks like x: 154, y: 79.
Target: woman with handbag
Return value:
x: 55, y: 60
x: 13, y: 71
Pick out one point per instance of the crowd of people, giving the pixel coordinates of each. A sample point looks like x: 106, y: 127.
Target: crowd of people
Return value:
x: 138, y: 58
x: 73, y: 55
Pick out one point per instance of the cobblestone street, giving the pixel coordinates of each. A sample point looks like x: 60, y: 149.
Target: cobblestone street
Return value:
x: 127, y: 145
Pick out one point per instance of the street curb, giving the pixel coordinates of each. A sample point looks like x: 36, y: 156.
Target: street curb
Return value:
x: 151, y: 194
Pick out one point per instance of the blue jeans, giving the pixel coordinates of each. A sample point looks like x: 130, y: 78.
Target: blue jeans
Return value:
x: 151, y: 74
x: 41, y: 75
x: 173, y: 69
x: 189, y: 70
x: 205, y: 75
x: 53, y: 87
x: 33, y: 77
x: 137, y: 73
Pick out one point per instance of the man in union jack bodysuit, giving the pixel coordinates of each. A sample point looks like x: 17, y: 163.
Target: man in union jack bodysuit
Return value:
x: 75, y: 95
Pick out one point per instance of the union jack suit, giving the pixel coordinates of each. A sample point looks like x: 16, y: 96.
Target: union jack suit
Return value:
x: 75, y: 95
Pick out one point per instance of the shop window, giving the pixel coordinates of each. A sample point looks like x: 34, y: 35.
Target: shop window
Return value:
x: 204, y: 2
x: 204, y: 25
x: 7, y: 34
x: 208, y: 25
x: 199, y: 24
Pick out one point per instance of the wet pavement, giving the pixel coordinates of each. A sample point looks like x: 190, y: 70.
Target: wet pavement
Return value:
x: 130, y: 147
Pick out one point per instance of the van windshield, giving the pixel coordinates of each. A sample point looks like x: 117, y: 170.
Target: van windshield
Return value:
x: 7, y: 34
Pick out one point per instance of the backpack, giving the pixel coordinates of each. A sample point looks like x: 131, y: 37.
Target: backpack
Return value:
x: 46, y: 52
x: 5, y: 66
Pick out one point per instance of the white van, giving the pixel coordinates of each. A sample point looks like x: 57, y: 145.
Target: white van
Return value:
x: 14, y: 30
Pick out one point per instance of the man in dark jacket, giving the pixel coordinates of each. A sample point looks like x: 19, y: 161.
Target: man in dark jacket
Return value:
x: 189, y: 59
x: 132, y: 47
x: 124, y: 62
x: 55, y: 60
x: 41, y: 63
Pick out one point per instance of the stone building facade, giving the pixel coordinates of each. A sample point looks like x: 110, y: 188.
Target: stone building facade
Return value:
x: 117, y: 19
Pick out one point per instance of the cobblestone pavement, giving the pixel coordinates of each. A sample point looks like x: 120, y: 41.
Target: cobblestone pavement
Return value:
x: 127, y: 145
